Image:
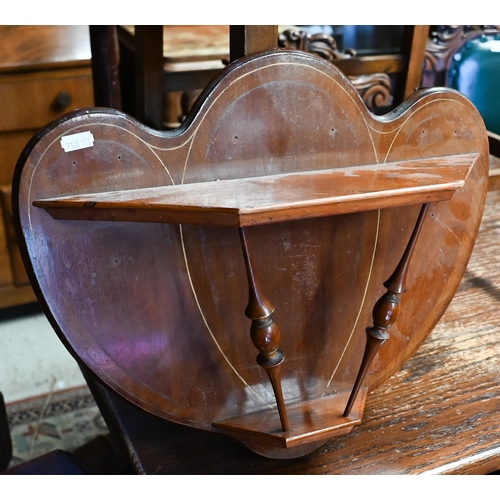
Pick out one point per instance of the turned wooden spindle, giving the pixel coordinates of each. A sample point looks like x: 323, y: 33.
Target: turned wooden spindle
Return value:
x: 265, y: 333
x: 386, y: 309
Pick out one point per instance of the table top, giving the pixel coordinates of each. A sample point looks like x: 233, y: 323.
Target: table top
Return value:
x: 193, y: 43
x: 437, y: 415
x: 43, y: 47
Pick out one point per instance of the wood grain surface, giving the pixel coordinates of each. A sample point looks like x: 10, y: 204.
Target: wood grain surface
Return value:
x: 189, y: 43
x: 31, y: 47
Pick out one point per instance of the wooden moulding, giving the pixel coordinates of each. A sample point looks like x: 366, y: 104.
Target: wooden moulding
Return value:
x: 274, y: 198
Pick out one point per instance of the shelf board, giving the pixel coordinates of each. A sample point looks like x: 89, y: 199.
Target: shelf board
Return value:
x: 274, y: 198
x: 310, y: 421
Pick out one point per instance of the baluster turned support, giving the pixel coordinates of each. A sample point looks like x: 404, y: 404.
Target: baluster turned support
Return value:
x: 386, y: 309
x: 265, y: 333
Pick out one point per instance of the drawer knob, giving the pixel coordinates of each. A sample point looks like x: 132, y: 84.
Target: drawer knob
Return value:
x: 61, y: 101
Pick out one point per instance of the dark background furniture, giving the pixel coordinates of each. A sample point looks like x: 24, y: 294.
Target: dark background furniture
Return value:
x: 467, y: 58
x: 384, y: 74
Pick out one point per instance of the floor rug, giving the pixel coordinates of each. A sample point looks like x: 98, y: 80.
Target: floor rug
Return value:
x: 64, y: 420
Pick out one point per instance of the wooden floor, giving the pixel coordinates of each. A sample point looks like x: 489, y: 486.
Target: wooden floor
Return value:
x: 438, y: 415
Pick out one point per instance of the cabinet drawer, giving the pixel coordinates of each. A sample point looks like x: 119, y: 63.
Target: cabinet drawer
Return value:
x: 31, y: 100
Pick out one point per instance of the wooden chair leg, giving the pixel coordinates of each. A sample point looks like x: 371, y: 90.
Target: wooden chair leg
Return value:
x: 5, y: 438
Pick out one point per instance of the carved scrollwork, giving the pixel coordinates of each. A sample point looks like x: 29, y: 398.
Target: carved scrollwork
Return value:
x: 321, y: 44
x: 445, y: 34
x: 445, y: 40
x: 375, y: 89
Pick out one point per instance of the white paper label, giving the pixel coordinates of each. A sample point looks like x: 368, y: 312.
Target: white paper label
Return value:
x: 77, y: 141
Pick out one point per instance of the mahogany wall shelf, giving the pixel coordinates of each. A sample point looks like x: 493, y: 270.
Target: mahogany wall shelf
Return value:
x: 353, y: 233
x: 271, y: 199
x: 275, y: 198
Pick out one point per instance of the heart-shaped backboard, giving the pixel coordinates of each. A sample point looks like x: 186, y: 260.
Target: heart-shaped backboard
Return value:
x: 157, y: 309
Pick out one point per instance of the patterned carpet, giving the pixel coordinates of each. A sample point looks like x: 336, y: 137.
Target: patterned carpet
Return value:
x: 64, y: 420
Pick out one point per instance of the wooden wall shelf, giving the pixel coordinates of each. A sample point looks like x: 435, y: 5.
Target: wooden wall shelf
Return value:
x: 272, y: 199
x: 353, y: 233
x: 276, y: 198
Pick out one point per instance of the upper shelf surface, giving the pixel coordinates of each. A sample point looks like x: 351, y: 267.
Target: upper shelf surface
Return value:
x: 274, y: 198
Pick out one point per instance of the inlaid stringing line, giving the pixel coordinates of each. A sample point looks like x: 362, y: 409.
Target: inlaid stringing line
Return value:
x: 187, y: 158
x: 378, y: 222
x: 398, y: 129
x: 77, y: 127
x: 195, y: 295
x: 182, y: 182
x: 192, y: 137
x: 206, y: 322
x: 214, y: 101
x: 182, y: 239
x: 362, y: 302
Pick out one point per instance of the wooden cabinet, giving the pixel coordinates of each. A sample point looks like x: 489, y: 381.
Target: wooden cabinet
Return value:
x: 45, y: 71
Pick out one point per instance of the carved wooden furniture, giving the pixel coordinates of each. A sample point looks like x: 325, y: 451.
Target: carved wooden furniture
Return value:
x: 158, y: 62
x: 44, y: 72
x: 180, y: 59
x: 282, y: 208
x: 467, y: 58
x: 371, y: 73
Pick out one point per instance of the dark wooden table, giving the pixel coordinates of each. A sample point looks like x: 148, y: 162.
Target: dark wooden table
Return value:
x: 437, y: 415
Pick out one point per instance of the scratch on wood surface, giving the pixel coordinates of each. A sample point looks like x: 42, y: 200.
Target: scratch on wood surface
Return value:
x: 449, y: 229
